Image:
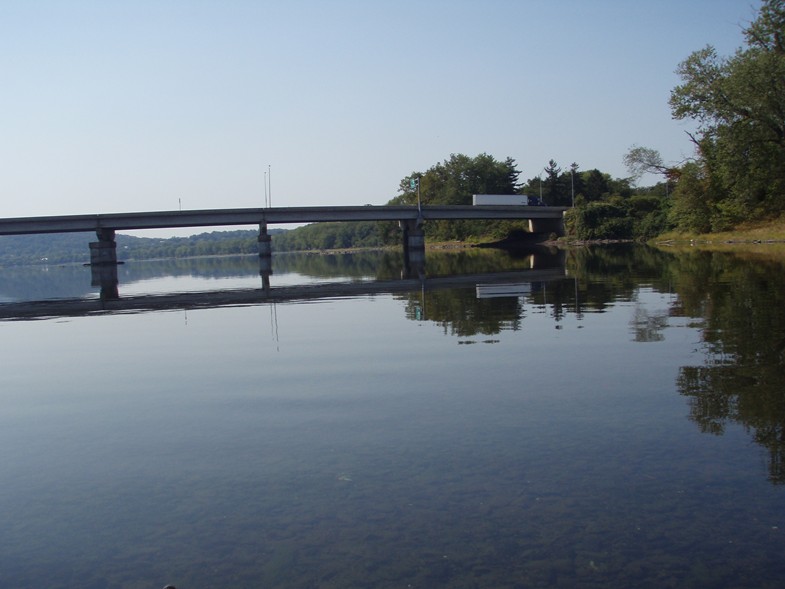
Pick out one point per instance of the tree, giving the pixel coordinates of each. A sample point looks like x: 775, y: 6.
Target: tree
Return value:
x: 596, y: 185
x: 453, y: 182
x: 555, y: 189
x: 643, y: 160
x: 739, y: 105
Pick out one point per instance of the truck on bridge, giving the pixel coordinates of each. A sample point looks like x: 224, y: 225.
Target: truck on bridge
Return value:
x: 506, y: 199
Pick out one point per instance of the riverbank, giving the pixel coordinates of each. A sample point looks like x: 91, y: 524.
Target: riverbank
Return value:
x: 766, y: 238
x: 763, y: 232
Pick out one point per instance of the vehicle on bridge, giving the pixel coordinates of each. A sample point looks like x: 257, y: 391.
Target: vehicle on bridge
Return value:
x: 506, y: 199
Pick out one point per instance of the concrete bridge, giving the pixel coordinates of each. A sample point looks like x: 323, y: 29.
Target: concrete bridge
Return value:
x: 542, y: 220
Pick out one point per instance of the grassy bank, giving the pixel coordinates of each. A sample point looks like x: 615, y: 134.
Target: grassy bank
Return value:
x: 765, y: 237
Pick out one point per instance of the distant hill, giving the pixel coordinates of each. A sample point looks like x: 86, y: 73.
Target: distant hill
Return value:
x: 72, y: 248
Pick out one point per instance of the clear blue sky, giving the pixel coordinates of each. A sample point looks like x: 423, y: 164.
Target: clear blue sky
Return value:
x: 114, y: 106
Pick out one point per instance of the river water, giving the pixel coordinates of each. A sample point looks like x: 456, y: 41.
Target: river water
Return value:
x: 610, y: 417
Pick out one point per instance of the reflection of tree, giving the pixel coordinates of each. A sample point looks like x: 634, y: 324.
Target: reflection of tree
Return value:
x: 602, y: 276
x: 462, y: 314
x: 648, y: 327
x: 742, y: 303
x: 609, y: 273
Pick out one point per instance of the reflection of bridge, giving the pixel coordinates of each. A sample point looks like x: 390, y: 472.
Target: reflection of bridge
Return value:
x: 255, y: 296
x: 544, y: 220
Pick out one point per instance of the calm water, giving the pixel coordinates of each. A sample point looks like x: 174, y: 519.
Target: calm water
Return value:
x: 613, y: 421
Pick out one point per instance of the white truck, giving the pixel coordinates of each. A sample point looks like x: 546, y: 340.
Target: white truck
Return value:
x: 506, y: 199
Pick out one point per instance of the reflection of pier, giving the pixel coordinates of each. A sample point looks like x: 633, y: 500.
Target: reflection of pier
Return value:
x: 266, y: 294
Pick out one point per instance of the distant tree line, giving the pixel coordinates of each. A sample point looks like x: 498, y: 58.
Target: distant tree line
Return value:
x: 70, y: 248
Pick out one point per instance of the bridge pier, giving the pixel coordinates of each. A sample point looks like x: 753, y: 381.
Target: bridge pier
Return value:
x: 265, y: 249
x: 104, y: 251
x: 413, y: 241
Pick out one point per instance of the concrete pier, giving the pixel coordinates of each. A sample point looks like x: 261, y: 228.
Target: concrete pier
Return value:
x: 104, y: 251
x: 413, y: 242
x: 265, y: 244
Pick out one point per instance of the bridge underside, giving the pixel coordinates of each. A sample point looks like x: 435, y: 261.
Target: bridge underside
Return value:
x: 547, y: 226
x: 104, y: 251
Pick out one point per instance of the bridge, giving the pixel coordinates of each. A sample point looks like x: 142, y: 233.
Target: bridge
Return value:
x: 542, y: 220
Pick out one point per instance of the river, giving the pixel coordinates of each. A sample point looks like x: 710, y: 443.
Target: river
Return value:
x: 607, y: 417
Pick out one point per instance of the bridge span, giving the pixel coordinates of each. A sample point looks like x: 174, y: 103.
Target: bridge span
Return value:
x: 545, y: 220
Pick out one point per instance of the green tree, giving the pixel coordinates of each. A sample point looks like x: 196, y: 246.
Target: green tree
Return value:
x: 739, y: 105
x: 596, y: 185
x: 555, y: 189
x: 453, y: 182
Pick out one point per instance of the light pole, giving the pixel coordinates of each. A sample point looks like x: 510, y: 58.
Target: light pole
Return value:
x: 573, y: 167
x: 415, y: 183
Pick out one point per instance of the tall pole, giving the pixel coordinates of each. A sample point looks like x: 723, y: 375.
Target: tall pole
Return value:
x: 414, y: 183
x: 572, y: 186
x: 265, y: 190
x: 573, y: 167
x: 419, y: 204
x: 270, y: 185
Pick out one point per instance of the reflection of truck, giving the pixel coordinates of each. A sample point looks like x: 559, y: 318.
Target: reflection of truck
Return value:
x: 492, y: 291
x: 506, y: 199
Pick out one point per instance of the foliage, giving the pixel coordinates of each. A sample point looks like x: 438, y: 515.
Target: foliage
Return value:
x: 324, y: 236
x: 639, y: 217
x: 453, y: 182
x: 73, y: 247
x: 642, y: 160
x: 738, y: 103
x: 214, y: 243
x: 596, y: 185
x: 603, y: 220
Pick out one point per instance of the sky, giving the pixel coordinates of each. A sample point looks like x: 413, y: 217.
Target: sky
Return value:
x: 146, y: 105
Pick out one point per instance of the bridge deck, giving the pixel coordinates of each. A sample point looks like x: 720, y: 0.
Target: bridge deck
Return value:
x: 272, y: 216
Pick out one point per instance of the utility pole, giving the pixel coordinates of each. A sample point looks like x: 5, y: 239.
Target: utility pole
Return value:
x: 573, y: 168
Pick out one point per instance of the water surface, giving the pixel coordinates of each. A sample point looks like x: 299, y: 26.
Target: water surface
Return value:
x: 617, y: 426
